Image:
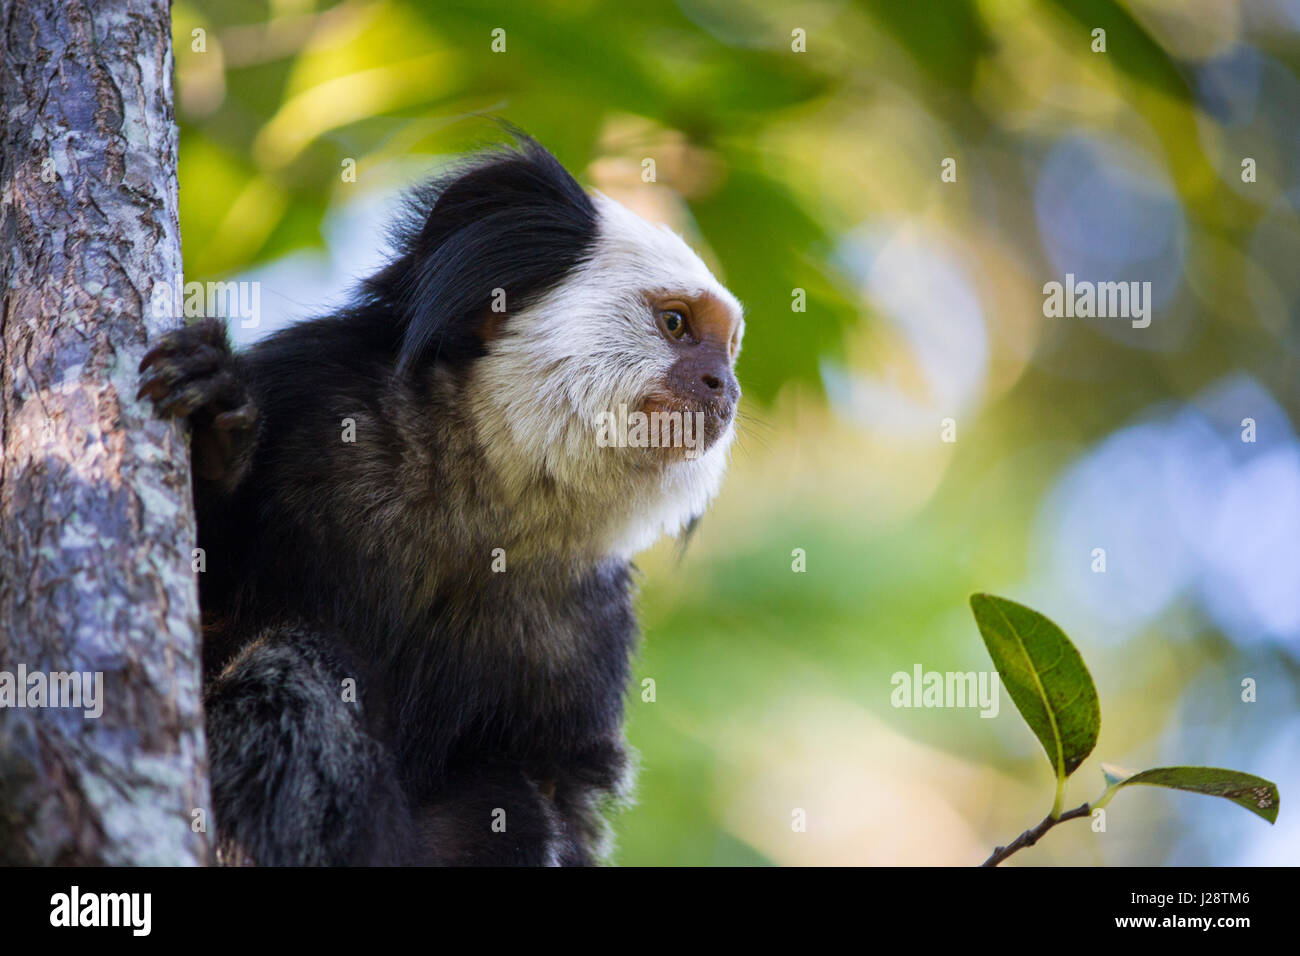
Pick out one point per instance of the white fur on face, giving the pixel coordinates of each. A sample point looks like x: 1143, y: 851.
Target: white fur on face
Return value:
x: 588, y: 346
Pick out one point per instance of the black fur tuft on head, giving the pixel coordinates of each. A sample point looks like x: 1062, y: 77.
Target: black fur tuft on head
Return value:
x: 512, y: 219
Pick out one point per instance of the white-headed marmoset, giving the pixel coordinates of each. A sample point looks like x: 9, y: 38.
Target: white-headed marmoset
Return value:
x: 517, y: 310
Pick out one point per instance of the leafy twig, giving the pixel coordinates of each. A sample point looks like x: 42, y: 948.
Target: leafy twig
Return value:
x: 1051, y: 687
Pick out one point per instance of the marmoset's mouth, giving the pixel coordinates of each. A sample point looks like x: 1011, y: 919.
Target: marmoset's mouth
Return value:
x: 685, y: 428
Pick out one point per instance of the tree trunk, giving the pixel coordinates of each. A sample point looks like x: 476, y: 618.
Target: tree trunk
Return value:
x: 96, y: 516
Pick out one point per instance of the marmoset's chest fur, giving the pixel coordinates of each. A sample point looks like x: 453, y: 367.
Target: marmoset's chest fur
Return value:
x: 473, y: 622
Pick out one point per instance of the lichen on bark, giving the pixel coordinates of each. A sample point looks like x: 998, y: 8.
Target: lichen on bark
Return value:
x: 96, y: 519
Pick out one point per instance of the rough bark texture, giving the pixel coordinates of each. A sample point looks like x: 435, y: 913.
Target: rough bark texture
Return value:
x: 96, y: 518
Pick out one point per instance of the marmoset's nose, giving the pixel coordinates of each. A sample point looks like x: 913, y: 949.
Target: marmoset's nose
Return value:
x: 704, y: 376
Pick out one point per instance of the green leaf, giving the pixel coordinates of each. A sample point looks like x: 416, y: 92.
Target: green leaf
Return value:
x: 768, y: 245
x: 1045, y: 676
x: 1136, y: 52
x: 1256, y: 794
x: 947, y: 38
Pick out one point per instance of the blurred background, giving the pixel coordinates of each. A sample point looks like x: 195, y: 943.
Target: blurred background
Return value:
x: 804, y: 146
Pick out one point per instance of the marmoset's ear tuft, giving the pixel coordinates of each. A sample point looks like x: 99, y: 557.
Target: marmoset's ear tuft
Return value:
x: 502, y: 229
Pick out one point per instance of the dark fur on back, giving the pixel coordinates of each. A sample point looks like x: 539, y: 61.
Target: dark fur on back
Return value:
x: 477, y: 692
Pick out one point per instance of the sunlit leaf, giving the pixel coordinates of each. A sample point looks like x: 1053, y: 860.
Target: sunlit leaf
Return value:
x: 946, y: 37
x: 1134, y: 50
x: 768, y: 246
x: 1045, y: 676
x: 1256, y: 794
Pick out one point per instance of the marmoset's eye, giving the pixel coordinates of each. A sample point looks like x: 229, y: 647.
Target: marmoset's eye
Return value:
x: 674, y: 323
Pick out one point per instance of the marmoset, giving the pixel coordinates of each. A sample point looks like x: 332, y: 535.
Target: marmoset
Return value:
x: 417, y: 603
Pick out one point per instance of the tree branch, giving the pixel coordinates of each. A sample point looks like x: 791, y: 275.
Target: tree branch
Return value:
x: 1030, y: 837
x: 96, y: 516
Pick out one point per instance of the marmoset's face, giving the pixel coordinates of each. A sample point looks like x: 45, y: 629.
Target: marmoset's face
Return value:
x: 627, y: 366
x: 703, y: 333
